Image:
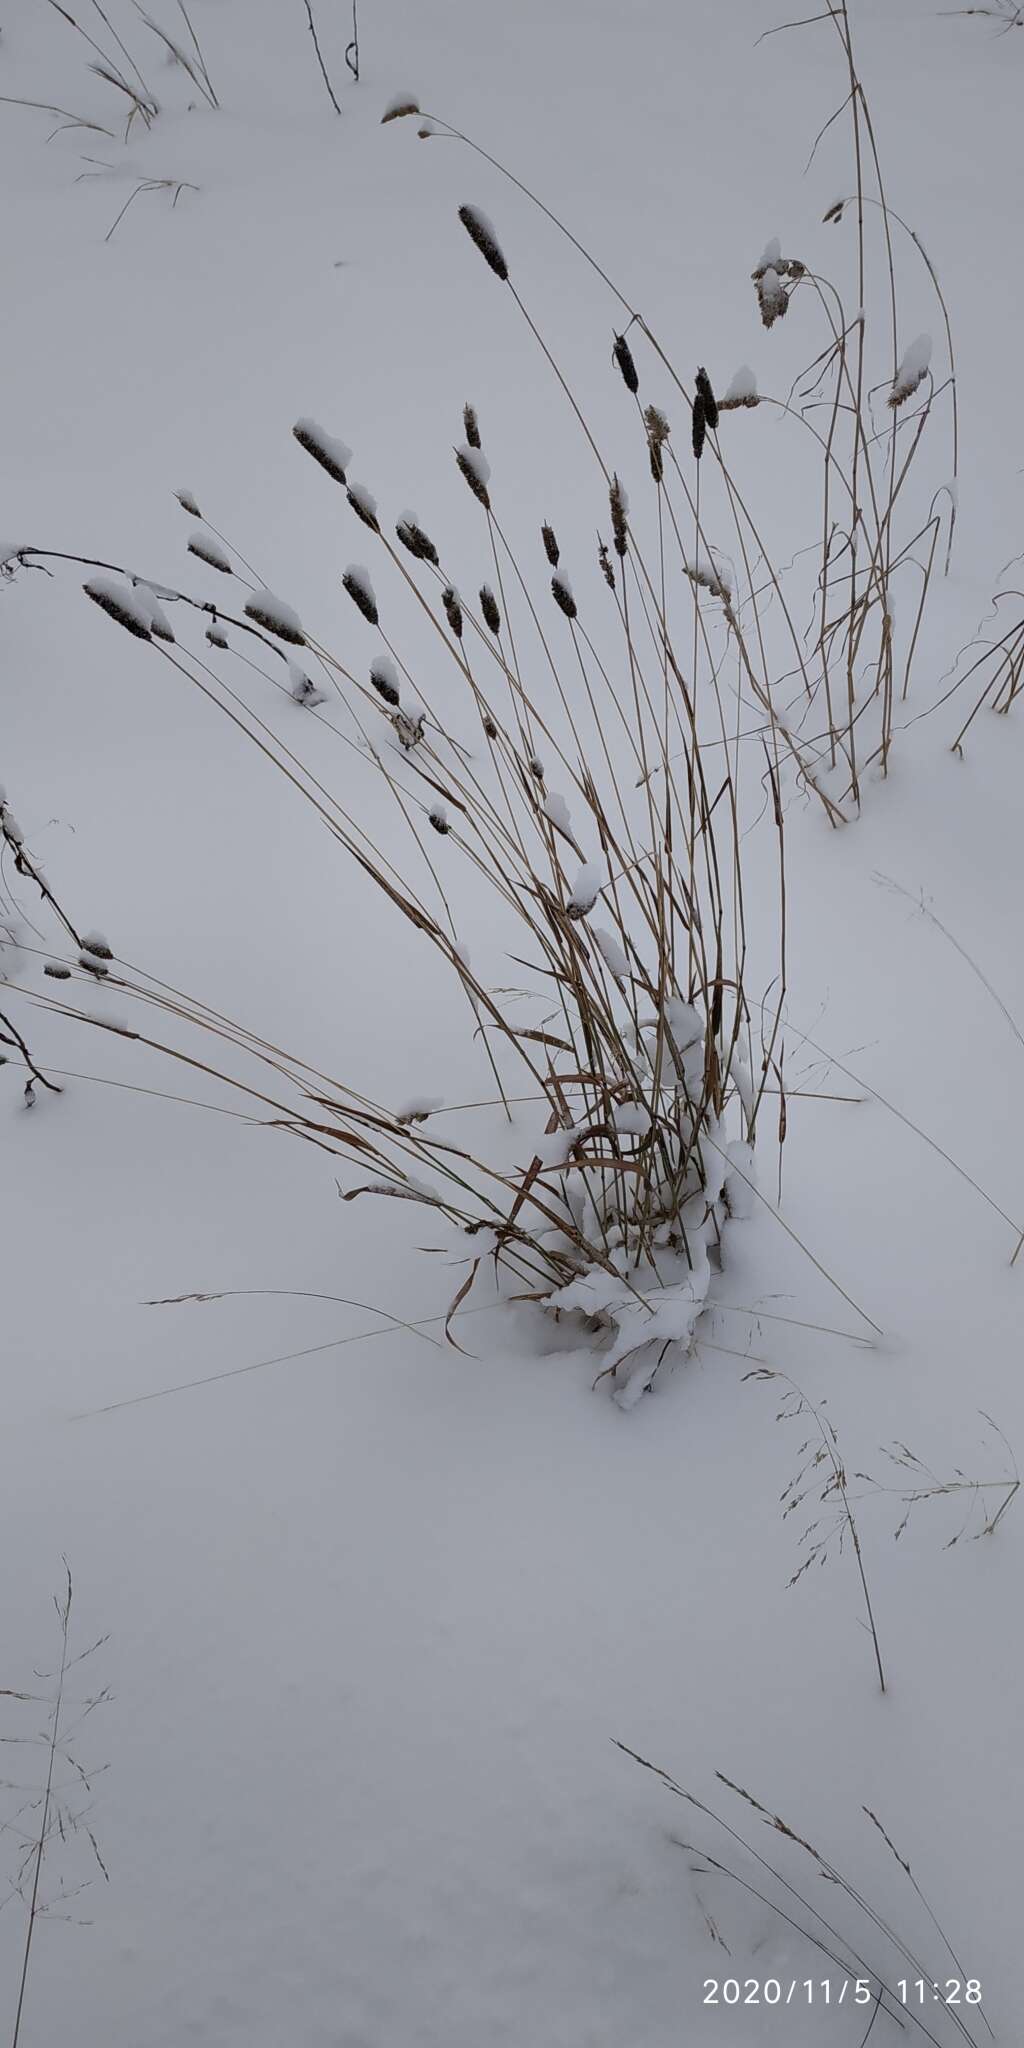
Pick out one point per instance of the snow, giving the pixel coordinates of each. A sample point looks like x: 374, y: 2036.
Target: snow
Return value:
x: 611, y: 952
x: 556, y: 810
x: 376, y: 1609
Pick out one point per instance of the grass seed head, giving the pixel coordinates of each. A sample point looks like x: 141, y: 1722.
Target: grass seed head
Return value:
x: 489, y: 608
x: 472, y: 425
x: 547, y: 534
x: 480, y: 231
x: 703, y: 384
x: 772, y: 297
x: 210, y: 552
x: 657, y: 434
x: 188, y: 504
x: 561, y: 591
x: 606, y: 568
x: 364, y: 505
x: 326, y: 449
x: 439, y: 819
x: 382, y: 676
x: 412, y: 536
x: 403, y: 103
x: 622, y: 355
x: 453, y: 610
x: 476, y: 470
x: 619, y: 508
x: 357, y: 583
x: 124, y: 609
x: 700, y: 426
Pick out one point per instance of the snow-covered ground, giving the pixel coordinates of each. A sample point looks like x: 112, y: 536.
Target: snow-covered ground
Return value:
x: 377, y: 1610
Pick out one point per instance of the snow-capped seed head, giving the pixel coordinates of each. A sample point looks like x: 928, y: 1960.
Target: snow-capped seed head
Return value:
x: 547, y: 534
x: 402, y: 104
x: 439, y: 818
x: 216, y: 635
x: 356, y: 581
x: 699, y: 424
x: 619, y: 508
x: 561, y: 591
x: 772, y: 296
x: 912, y: 371
x: 209, y: 551
x: 703, y: 385
x: 709, y: 575
x: 477, y: 471
x: 331, y: 454
x: 412, y: 536
x: 159, y: 623
x: 93, y: 965
x: 742, y: 390
x: 606, y: 568
x: 188, y: 504
x: 480, y: 231
x: 384, y: 677
x: 275, y: 616
x: 770, y: 257
x: 536, y: 767
x: 453, y: 610
x: 489, y: 608
x: 657, y: 435
x: 586, y: 889
x: 95, y: 943
x: 472, y: 425
x: 623, y: 357
x: 120, y: 603
x: 56, y: 972
x: 364, y: 504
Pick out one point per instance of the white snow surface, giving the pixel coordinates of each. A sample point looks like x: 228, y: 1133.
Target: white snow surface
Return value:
x: 375, y: 1609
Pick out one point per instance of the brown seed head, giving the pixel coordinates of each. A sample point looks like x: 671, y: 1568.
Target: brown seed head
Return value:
x: 453, y: 610
x: 480, y: 231
x: 472, y: 425
x: 412, y: 536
